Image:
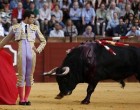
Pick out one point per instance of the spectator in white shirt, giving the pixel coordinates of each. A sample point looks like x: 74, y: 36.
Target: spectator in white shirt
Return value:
x: 58, y: 14
x: 88, y: 16
x: 101, y: 19
x: 44, y: 15
x: 133, y: 32
x: 1, y: 29
x: 75, y: 15
x: 57, y: 32
x: 110, y: 11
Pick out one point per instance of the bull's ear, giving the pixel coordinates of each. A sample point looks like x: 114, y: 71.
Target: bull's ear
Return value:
x: 68, y: 51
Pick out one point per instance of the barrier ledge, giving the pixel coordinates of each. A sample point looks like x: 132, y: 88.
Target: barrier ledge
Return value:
x: 83, y: 39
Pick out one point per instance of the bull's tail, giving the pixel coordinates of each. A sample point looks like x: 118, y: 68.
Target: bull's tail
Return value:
x: 121, y: 82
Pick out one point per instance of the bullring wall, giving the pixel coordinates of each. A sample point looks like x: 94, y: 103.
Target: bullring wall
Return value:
x: 54, y: 53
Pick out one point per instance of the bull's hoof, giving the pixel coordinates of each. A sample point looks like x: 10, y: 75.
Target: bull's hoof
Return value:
x: 85, y: 102
x: 69, y: 93
x: 59, y: 96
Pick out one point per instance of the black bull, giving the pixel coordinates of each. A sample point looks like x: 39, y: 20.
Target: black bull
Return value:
x: 91, y: 63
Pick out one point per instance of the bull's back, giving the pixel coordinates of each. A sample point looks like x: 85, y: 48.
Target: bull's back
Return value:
x: 121, y: 65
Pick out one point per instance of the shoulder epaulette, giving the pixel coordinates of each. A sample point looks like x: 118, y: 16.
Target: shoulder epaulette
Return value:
x: 33, y: 27
x: 16, y: 26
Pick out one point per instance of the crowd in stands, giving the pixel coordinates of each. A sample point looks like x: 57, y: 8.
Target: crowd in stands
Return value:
x: 70, y: 18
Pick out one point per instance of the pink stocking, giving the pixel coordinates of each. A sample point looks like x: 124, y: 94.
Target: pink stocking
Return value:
x: 20, y: 92
x: 27, y: 92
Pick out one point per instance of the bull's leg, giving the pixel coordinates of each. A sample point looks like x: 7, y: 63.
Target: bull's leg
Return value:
x: 138, y: 76
x: 59, y: 96
x: 122, y: 83
x: 90, y: 90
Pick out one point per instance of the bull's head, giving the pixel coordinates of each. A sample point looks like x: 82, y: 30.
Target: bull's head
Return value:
x: 70, y: 73
x: 62, y: 79
x: 66, y: 84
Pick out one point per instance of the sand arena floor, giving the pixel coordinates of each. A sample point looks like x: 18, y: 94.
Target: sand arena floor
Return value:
x: 107, y: 96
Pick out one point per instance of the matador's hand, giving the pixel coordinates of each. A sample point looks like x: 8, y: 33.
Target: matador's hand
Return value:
x: 35, y: 50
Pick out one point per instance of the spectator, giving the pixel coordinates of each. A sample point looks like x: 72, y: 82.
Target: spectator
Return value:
x: 49, y: 2
x: 134, y: 5
x: 92, y: 2
x: 88, y: 32
x: 26, y: 4
x: 137, y: 14
x: 130, y: 21
x: 58, y: 14
x: 13, y: 22
x: 101, y: 19
x: 6, y: 4
x: 133, y: 32
x: 130, y: 1
x: 51, y: 24
x: 54, y: 2
x: 1, y: 5
x: 64, y: 6
x: 112, y: 24
x: 6, y: 19
x: 57, y: 32
x: 13, y: 4
x: 122, y: 4
x: 108, y: 2
x: 1, y: 29
x: 45, y: 16
x: 97, y: 3
x: 39, y: 3
x: 75, y: 15
x: 120, y: 29
x: 111, y: 10
x: 36, y: 13
x: 88, y: 16
x: 80, y: 3
x: 126, y: 22
x: 125, y: 13
x: 70, y: 29
x: 136, y: 23
x: 18, y: 12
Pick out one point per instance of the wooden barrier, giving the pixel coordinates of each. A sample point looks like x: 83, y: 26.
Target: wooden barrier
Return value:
x: 83, y: 39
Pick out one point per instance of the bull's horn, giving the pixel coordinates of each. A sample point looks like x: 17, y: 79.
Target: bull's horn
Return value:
x: 52, y: 72
x: 66, y: 70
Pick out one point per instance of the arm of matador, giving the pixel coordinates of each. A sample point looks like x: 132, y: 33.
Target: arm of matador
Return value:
x: 42, y: 40
x: 6, y: 40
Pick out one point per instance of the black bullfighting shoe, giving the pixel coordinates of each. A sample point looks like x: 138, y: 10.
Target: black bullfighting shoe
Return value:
x: 22, y: 103
x: 28, y: 103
